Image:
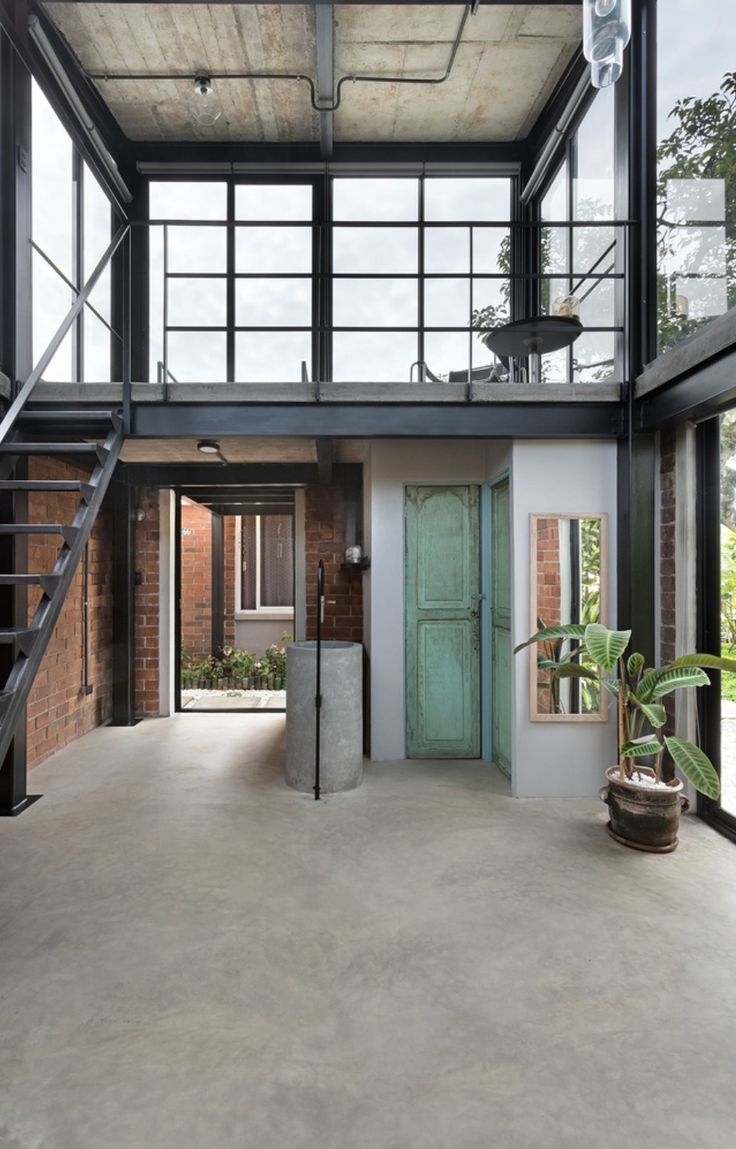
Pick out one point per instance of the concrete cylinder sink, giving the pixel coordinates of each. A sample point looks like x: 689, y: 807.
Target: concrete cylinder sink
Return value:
x: 341, y: 727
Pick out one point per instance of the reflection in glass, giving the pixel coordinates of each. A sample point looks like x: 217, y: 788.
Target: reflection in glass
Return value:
x: 197, y: 303
x: 375, y: 199
x: 728, y: 609
x: 373, y: 357
x: 447, y: 303
x: 374, y: 303
x: 448, y: 353
x: 197, y: 356
x: 568, y: 554
x: 385, y: 250
x: 272, y: 356
x: 273, y: 201
x: 281, y: 249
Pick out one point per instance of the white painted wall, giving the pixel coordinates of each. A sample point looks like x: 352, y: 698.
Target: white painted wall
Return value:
x: 557, y: 759
x: 391, y: 465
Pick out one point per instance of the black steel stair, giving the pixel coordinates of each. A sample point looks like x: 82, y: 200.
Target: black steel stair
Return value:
x: 30, y: 641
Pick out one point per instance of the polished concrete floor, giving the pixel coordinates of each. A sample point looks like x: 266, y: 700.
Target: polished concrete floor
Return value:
x: 194, y: 957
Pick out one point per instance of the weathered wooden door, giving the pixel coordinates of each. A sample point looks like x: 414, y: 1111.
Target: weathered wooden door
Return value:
x: 442, y: 622
x: 501, y: 624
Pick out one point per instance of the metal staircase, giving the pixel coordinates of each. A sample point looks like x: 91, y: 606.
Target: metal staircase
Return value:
x: 30, y: 641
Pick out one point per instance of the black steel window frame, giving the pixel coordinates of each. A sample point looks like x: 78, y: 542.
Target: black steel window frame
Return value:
x: 76, y: 281
x: 709, y: 608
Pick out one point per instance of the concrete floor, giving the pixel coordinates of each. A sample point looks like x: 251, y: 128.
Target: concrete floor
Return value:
x: 194, y: 957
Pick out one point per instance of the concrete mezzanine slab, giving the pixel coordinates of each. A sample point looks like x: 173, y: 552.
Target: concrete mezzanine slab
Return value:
x: 194, y: 955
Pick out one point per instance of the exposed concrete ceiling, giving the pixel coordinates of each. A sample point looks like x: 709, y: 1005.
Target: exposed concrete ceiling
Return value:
x: 508, y: 62
x: 238, y: 450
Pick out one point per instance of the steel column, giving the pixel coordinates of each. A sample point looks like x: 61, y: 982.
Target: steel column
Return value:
x: 123, y: 604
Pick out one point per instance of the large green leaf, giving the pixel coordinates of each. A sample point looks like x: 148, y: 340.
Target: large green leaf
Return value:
x: 695, y: 765
x: 640, y: 748
x: 653, y: 712
x: 634, y: 665
x: 606, y: 646
x: 713, y: 661
x: 678, y: 677
x: 611, y: 685
x: 575, y: 670
x: 571, y: 630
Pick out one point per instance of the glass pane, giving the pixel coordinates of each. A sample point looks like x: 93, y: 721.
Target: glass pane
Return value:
x: 197, y: 356
x: 248, y: 562
x: 447, y: 249
x: 384, y: 250
x: 593, y: 357
x: 728, y: 609
x: 596, y: 302
x: 491, y: 249
x: 53, y: 204
x: 187, y: 199
x: 375, y: 199
x: 374, y: 303
x: 447, y: 303
x: 554, y: 203
x: 467, y: 198
x: 273, y: 201
x: 556, y: 367
x: 96, y: 349
x: 197, y: 303
x: 696, y: 169
x: 447, y: 353
x: 491, y: 306
x: 197, y: 249
x: 51, y: 301
x: 155, y: 300
x: 277, y: 560
x: 282, y: 249
x: 373, y: 357
x: 272, y: 356
x: 593, y: 184
x: 97, y: 224
x: 273, y: 302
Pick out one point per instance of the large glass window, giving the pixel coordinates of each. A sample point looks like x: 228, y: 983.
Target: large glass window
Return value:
x: 267, y: 563
x: 71, y: 228
x: 418, y: 267
x: 582, y: 249
x: 696, y: 167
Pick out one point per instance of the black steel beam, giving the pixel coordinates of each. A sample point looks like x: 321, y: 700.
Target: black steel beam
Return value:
x: 392, y: 3
x: 637, y: 461
x: 15, y: 218
x: 395, y: 420
x: 14, y: 797
x: 190, y: 476
x: 325, y: 459
x: 324, y: 17
x: 703, y: 393
x: 219, y: 157
x: 123, y: 603
x: 553, y: 111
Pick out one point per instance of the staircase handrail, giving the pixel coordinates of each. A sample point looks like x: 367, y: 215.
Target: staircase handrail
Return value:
x: 8, y: 422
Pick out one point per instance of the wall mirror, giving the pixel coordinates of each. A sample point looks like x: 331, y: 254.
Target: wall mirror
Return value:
x: 569, y: 561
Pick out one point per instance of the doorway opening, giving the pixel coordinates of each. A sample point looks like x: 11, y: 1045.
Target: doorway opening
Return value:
x: 236, y: 565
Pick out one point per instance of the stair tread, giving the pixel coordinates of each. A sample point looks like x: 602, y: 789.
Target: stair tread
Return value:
x: 41, y: 484
x: 28, y: 448
x: 27, y: 579
x: 35, y: 528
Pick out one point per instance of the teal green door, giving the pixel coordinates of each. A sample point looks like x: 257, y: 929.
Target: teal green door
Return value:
x: 442, y: 622
x: 501, y: 625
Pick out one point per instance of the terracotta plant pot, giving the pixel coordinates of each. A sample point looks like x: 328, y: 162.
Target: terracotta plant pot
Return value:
x: 641, y: 817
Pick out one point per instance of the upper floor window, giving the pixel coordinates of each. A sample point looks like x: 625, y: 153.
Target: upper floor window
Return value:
x: 582, y: 249
x: 71, y: 228
x: 696, y: 167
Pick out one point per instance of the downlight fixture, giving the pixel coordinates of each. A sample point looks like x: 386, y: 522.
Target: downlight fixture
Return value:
x: 606, y: 32
x: 208, y: 447
x: 205, y: 106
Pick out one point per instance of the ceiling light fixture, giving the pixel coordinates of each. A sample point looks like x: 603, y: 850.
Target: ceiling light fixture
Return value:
x: 606, y: 32
x: 208, y: 447
x: 205, y: 107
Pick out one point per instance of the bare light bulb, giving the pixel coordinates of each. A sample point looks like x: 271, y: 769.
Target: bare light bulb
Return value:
x: 205, y: 107
x: 606, y: 32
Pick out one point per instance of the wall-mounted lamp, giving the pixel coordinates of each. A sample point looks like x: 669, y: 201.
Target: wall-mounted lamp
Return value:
x: 139, y: 514
x: 606, y: 32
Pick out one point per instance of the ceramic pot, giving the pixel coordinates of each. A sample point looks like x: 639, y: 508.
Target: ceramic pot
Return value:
x: 640, y: 816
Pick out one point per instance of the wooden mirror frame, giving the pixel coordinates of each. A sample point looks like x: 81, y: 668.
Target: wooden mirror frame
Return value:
x: 535, y: 715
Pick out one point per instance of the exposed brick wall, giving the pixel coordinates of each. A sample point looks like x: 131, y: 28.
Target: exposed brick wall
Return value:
x: 58, y: 712
x: 549, y: 588
x: 325, y: 539
x: 230, y: 561
x: 146, y: 605
x: 196, y: 579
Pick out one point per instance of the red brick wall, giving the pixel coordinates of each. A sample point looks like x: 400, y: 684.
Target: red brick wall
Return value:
x: 325, y: 539
x: 57, y: 710
x: 549, y: 588
x: 146, y: 605
x: 196, y: 579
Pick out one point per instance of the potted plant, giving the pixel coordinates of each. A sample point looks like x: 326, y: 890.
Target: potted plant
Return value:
x: 644, y: 806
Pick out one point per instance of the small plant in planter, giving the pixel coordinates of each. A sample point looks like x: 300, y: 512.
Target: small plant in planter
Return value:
x: 644, y: 807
